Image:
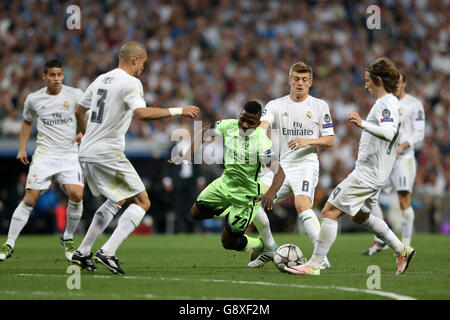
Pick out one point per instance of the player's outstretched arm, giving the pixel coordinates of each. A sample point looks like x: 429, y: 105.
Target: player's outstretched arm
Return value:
x: 278, y: 179
x: 153, y: 113
x: 385, y: 132
x: 25, y: 132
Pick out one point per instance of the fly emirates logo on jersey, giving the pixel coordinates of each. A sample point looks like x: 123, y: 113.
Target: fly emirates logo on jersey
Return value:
x: 57, y: 119
x: 297, y: 130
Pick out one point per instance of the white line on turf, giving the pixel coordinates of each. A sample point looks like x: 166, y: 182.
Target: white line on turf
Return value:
x: 367, y: 291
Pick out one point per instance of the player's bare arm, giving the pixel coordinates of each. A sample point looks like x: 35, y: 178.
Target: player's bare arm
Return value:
x: 25, y: 132
x: 402, y: 147
x: 278, y: 179
x: 322, y: 142
x: 80, y: 114
x: 264, y: 124
x: 153, y: 113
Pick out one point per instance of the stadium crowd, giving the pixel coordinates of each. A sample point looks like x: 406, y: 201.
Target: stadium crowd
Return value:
x: 217, y: 54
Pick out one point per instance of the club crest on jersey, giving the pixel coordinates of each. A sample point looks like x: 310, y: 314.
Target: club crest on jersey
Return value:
x: 386, y: 114
x: 309, y: 114
x: 66, y: 105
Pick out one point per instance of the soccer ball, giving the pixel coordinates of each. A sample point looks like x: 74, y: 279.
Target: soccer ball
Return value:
x: 288, y: 255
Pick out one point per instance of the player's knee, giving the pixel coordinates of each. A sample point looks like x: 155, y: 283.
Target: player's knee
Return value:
x: 146, y: 204
x: 195, y: 213
x: 30, y: 200
x: 229, y: 243
x: 76, y: 197
x: 360, y: 217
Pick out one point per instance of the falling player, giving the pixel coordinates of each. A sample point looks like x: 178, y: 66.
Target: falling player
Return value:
x: 237, y: 194
x: 55, y: 157
x: 357, y: 194
x: 304, y: 125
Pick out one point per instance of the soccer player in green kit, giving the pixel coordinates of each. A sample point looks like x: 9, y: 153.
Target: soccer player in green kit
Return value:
x: 238, y: 193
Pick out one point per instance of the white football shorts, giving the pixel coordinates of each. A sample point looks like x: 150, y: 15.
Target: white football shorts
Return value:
x: 65, y: 170
x: 116, y: 180
x: 403, y: 174
x: 300, y: 180
x: 352, y: 195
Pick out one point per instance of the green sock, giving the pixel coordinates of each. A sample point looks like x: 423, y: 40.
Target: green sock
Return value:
x: 253, y: 243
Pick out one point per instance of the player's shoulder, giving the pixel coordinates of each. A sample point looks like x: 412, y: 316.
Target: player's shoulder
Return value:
x: 277, y: 102
x: 388, y: 100
x: 410, y: 99
x: 314, y: 101
x: 226, y: 123
x: 72, y: 90
x: 32, y: 96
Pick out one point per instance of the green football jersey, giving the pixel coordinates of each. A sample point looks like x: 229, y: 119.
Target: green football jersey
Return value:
x: 245, y: 157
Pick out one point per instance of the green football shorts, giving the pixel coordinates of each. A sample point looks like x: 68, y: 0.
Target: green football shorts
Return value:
x: 217, y: 199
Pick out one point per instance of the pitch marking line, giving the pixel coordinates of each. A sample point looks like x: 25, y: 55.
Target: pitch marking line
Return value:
x: 367, y: 291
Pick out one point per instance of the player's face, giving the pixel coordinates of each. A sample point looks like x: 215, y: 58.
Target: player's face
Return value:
x: 53, y: 79
x: 369, y: 84
x: 300, y: 84
x: 248, y: 121
x: 401, y: 87
x: 140, y: 64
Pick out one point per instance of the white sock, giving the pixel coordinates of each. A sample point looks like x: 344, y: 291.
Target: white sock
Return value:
x: 407, y: 225
x: 261, y: 222
x: 130, y: 220
x: 102, y: 218
x: 18, y: 220
x: 377, y: 212
x: 326, y: 238
x: 382, y: 231
x: 311, y: 224
x: 73, y: 216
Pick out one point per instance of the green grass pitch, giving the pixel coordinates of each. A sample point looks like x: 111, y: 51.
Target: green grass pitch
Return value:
x: 196, y: 267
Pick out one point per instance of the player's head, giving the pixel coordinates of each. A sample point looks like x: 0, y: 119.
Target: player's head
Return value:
x: 401, y: 84
x: 53, y: 76
x: 381, y: 74
x: 250, y: 116
x: 300, y: 80
x: 133, y: 55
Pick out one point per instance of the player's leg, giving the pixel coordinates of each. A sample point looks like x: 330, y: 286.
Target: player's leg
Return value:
x: 74, y: 212
x: 377, y: 245
x: 403, y: 176
x: 326, y: 238
x: 407, y: 218
x: 18, y: 221
x: 128, y: 222
x: 236, y: 222
x: 380, y: 228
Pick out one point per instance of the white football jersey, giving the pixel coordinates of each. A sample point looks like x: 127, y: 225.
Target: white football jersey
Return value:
x: 413, y: 124
x: 310, y: 118
x: 376, y: 156
x: 112, y: 99
x: 56, y: 121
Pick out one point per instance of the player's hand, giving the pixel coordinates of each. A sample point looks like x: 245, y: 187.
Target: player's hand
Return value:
x: 179, y: 160
x: 402, y: 147
x: 267, y: 201
x: 298, y: 143
x: 77, y: 139
x: 191, y: 112
x: 355, y: 118
x: 23, y: 157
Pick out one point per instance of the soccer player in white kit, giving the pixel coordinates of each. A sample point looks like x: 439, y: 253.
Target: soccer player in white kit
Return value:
x: 55, y: 157
x: 356, y: 195
x: 113, y: 98
x: 412, y: 132
x: 304, y: 124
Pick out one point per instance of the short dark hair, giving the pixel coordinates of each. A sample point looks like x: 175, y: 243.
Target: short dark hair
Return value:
x: 253, y: 107
x: 54, y: 63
